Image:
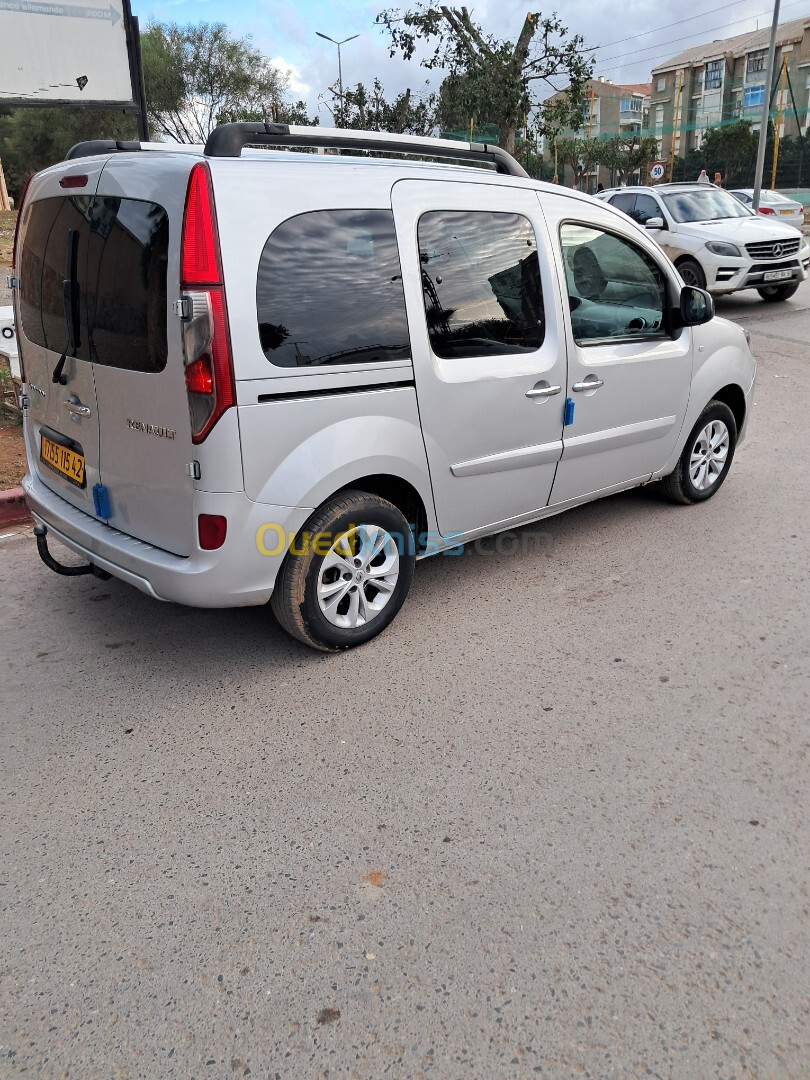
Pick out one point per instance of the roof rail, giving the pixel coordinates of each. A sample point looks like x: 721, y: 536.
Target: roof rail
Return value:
x: 227, y: 140
x: 99, y: 146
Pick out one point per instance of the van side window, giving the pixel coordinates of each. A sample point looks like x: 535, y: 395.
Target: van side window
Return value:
x: 481, y: 283
x: 616, y: 291
x: 329, y: 290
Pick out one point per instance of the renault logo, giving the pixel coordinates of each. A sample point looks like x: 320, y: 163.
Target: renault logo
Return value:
x: 777, y: 251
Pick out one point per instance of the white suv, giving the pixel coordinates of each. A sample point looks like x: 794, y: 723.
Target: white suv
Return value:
x: 259, y: 375
x: 717, y: 243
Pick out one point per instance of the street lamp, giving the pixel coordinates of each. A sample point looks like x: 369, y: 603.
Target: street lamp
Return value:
x: 340, y: 68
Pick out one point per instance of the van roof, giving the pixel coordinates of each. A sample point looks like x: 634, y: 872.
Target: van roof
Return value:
x: 393, y: 153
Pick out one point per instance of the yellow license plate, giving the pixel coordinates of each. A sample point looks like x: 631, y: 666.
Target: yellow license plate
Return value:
x: 785, y: 211
x: 63, y: 460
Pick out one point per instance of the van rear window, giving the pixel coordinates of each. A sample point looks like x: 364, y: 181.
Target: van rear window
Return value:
x: 329, y: 290
x: 122, y: 253
x: 44, y: 266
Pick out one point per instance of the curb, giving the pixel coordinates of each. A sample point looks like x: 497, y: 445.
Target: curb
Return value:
x: 13, y: 508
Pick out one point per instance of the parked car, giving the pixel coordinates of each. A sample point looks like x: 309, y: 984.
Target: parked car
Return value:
x: 261, y: 375
x: 772, y: 203
x: 715, y: 242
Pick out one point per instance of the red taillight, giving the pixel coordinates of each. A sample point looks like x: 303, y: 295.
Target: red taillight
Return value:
x: 209, y: 367
x: 766, y: 210
x: 199, y: 378
x: 200, y: 260
x: 211, y: 529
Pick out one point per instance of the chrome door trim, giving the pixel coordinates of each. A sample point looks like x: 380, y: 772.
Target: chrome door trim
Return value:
x: 614, y: 438
x: 522, y: 458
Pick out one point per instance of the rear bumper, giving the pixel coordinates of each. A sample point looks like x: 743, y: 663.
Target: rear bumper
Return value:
x: 236, y: 575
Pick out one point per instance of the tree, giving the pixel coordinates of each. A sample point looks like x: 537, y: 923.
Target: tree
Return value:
x: 580, y: 155
x: 729, y: 150
x: 623, y: 154
x: 492, y: 77
x: 370, y: 110
x: 200, y: 76
x: 32, y: 139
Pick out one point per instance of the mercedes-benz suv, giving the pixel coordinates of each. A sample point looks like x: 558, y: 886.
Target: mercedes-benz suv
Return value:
x: 715, y: 242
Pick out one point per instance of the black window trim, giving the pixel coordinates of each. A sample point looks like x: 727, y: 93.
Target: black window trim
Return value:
x: 672, y: 331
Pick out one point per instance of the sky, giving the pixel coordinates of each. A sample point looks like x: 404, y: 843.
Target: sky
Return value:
x: 628, y: 37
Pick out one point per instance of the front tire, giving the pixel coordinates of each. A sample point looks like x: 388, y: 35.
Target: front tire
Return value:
x: 692, y: 273
x: 707, y: 455
x: 773, y: 294
x: 347, y: 574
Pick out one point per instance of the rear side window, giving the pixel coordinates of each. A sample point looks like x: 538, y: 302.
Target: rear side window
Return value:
x: 120, y: 257
x: 481, y: 283
x: 329, y: 290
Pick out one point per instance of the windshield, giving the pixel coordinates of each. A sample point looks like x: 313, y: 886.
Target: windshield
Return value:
x: 709, y: 205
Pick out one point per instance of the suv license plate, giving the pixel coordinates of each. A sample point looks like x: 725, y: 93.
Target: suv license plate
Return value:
x: 777, y: 275
x: 63, y: 460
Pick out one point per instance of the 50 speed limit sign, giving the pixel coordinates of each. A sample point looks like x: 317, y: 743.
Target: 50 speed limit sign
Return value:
x: 657, y: 170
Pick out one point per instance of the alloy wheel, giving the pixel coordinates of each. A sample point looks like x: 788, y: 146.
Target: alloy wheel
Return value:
x: 358, y: 576
x: 709, y: 455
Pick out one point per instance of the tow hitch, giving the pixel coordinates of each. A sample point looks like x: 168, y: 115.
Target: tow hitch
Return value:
x: 41, y: 533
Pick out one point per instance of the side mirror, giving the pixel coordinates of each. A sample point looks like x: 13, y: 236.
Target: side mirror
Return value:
x: 655, y: 223
x: 697, y: 306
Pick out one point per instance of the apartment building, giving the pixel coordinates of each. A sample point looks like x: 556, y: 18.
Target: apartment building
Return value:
x: 724, y: 81
x: 610, y: 109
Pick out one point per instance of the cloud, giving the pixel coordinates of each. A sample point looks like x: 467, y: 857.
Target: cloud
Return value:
x: 296, y: 83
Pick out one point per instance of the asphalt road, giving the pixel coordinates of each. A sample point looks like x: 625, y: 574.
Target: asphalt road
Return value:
x: 554, y: 821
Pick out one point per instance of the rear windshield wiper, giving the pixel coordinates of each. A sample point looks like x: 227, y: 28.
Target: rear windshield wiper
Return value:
x: 70, y: 298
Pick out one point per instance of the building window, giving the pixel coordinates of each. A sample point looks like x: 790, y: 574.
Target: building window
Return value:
x: 753, y: 95
x: 661, y: 84
x: 714, y: 75
x: 659, y: 118
x: 756, y: 61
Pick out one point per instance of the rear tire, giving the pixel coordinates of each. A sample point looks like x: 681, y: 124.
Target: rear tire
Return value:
x: 707, y: 455
x: 773, y: 294
x: 347, y: 574
x: 692, y: 273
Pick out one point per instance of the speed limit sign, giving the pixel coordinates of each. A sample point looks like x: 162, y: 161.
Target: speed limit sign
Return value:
x: 657, y: 170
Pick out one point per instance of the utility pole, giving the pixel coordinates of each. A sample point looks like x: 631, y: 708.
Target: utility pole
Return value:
x: 340, y: 68
x: 766, y: 108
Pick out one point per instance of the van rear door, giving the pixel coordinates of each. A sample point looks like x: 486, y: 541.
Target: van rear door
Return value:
x: 136, y: 343
x: 61, y: 420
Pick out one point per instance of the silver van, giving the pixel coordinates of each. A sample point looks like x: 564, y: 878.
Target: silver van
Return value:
x: 286, y: 365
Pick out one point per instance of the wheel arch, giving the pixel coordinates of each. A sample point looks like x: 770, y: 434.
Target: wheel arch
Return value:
x: 733, y: 396
x: 396, y: 490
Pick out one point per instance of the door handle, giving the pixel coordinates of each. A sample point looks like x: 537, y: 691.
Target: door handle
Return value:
x: 588, y: 384
x: 77, y: 409
x: 543, y: 391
